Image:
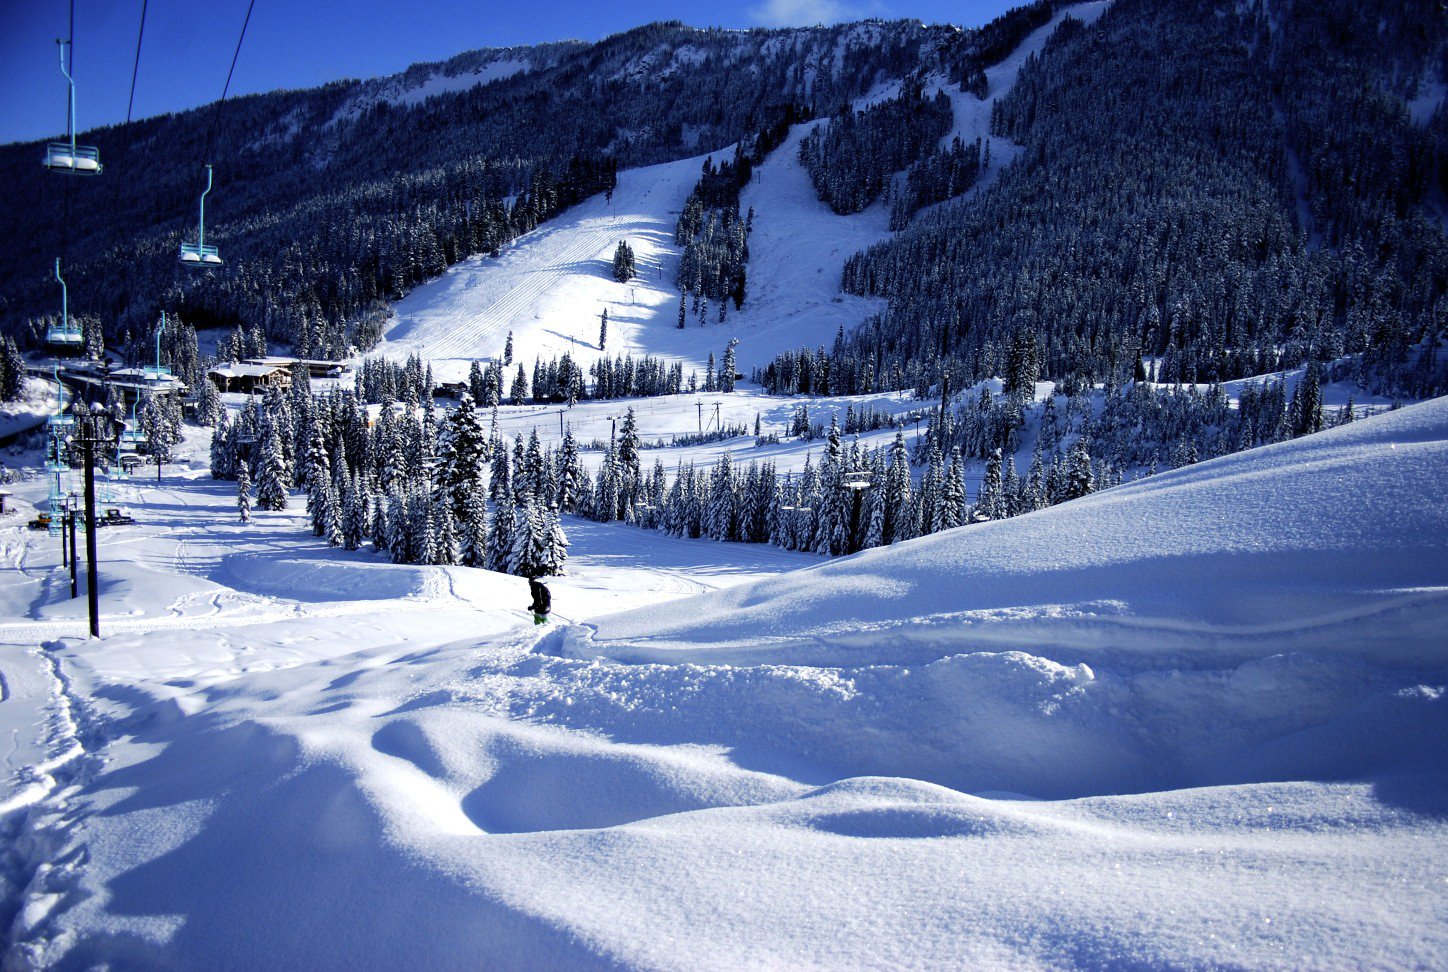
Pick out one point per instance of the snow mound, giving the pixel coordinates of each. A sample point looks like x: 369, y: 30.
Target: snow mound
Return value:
x: 1336, y: 543
x: 321, y: 578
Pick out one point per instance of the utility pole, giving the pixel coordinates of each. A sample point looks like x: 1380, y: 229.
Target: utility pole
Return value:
x: 70, y: 516
x: 700, y: 407
x: 95, y: 426
x: 92, y: 586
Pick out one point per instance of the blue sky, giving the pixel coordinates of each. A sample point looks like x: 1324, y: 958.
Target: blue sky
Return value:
x: 300, y: 43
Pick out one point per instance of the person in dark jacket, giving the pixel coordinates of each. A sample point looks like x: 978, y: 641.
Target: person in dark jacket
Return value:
x: 542, y: 600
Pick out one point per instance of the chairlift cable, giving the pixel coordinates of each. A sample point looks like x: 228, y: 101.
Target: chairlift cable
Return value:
x: 136, y: 69
x: 216, y: 114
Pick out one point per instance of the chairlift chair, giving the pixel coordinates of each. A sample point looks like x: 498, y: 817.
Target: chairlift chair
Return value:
x: 67, y: 157
x: 67, y: 333
x: 157, y: 374
x: 199, y: 256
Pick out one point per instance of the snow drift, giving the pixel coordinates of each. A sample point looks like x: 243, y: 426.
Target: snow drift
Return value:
x: 1333, y: 544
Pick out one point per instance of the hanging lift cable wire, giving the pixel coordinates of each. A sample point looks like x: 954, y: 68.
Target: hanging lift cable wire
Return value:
x: 136, y: 70
x: 216, y: 114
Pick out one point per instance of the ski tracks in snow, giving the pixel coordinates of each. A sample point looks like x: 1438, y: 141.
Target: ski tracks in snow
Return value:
x: 41, y: 823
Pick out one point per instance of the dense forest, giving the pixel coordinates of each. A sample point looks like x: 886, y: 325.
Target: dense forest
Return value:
x: 1233, y: 190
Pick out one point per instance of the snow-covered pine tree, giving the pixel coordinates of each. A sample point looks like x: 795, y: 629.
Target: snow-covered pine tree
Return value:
x: 331, y: 514
x: 897, y: 501
x: 989, y: 503
x: 719, y: 516
x: 603, y: 329
x: 209, y: 408
x: 463, y: 447
x: 624, y: 268
x: 726, y: 370
x: 428, y: 550
x: 569, y: 473
x: 500, y: 535
x: 832, y: 510
x: 273, y: 475
x: 952, y: 494
x: 526, y: 557
x: 500, y: 476
x: 930, y: 492
x: 243, y: 494
x: 446, y: 553
x: 555, y: 543
x: 223, y: 450
x: 473, y: 539
x: 378, y: 528
x: 354, y: 516
x: 1079, y: 479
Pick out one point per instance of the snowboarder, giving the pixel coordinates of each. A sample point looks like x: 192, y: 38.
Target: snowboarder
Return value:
x: 542, y: 600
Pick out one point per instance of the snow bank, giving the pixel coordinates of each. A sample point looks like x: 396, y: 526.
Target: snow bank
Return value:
x: 1336, y: 543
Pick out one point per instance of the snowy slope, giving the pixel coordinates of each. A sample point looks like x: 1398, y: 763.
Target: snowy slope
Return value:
x: 1334, y: 543
x: 550, y: 286
x: 295, y: 756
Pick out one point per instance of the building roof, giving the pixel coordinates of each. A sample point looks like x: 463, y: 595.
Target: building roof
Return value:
x: 246, y: 370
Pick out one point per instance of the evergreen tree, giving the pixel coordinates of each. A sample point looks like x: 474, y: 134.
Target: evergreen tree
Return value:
x: 209, y: 408
x: 243, y: 494
x: 500, y: 536
x: 1079, y: 479
x: 464, y: 445
x: 726, y: 370
x: 446, y: 552
x: 555, y: 544
x: 473, y: 542
x: 603, y: 330
x: 952, y: 495
x: 623, y: 265
x: 989, y: 499
x: 898, y: 524
x: 527, y: 558
x: 273, y: 474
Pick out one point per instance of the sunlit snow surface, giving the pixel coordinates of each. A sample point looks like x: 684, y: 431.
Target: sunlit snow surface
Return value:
x: 269, y: 765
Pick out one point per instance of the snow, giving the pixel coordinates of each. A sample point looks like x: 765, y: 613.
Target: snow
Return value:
x: 1427, y: 101
x: 1067, y: 739
x: 1338, y: 542
x: 442, y: 84
x: 407, y: 90
x: 30, y: 411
